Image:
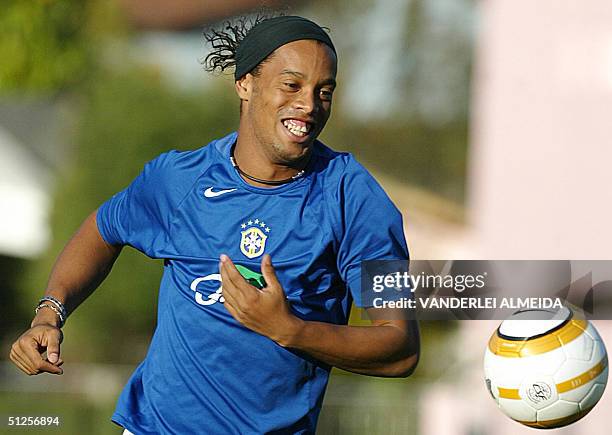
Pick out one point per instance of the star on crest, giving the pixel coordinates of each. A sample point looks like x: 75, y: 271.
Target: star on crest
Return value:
x: 256, y: 223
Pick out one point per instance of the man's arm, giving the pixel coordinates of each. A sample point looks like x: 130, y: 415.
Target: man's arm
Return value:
x: 82, y: 265
x: 387, y: 348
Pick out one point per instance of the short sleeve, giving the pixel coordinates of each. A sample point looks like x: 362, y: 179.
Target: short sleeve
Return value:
x: 139, y: 215
x: 372, y: 226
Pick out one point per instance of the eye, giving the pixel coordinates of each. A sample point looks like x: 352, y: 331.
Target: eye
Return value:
x: 326, y: 94
x: 291, y: 86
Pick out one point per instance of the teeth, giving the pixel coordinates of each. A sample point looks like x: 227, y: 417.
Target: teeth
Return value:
x: 297, y: 132
x: 293, y: 127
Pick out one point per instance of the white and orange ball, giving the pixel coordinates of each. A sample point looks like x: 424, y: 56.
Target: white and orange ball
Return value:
x: 546, y: 373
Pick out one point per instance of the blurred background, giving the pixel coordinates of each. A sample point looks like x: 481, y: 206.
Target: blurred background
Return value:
x: 487, y: 122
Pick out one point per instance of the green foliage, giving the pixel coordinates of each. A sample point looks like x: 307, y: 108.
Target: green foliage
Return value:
x: 43, y: 45
x: 126, y: 120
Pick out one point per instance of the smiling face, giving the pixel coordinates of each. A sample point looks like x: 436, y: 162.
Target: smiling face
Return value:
x: 287, y: 104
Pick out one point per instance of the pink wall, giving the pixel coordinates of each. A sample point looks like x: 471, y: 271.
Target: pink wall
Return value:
x: 541, y: 151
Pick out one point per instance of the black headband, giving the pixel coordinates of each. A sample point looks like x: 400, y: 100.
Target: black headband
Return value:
x: 272, y: 33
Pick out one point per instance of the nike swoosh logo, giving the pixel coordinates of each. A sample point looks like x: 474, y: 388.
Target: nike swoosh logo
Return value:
x: 209, y: 193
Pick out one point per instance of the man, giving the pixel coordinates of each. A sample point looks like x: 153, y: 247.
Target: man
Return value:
x: 254, y: 355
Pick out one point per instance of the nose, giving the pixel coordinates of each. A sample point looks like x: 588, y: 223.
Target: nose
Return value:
x: 306, y: 101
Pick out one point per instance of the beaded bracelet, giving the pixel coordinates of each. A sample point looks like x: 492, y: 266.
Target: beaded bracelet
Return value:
x: 62, y: 319
x: 57, y: 303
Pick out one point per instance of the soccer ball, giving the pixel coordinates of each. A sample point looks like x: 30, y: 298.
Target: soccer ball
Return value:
x: 546, y: 373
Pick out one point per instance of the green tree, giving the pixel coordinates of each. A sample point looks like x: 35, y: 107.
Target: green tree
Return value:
x: 44, y: 44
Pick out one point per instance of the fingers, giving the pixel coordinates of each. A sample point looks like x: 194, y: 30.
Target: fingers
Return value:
x: 229, y: 294
x: 53, y: 348
x: 30, y: 349
x: 18, y: 361
x: 25, y: 354
x: 240, y: 296
x: 232, y: 293
x: 231, y: 308
x: 229, y: 273
x: 234, y: 283
x: 272, y: 284
x: 229, y: 287
x: 267, y: 270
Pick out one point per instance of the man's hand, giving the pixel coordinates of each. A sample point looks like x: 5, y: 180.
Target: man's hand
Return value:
x: 80, y: 268
x: 27, y: 351
x: 264, y: 311
x: 387, y: 348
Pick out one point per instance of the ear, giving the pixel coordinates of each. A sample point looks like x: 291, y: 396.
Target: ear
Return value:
x: 244, y: 87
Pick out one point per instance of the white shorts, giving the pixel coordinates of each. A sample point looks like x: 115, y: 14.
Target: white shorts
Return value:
x: 126, y: 432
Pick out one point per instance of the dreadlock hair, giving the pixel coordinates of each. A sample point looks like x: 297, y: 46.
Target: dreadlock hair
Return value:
x: 225, y: 40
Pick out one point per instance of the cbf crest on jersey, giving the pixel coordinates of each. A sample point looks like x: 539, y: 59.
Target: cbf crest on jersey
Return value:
x: 253, y: 238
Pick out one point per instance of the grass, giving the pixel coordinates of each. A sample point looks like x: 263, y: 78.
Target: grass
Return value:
x: 77, y: 413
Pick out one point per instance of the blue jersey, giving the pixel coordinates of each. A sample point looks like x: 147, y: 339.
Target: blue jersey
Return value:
x: 204, y: 372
